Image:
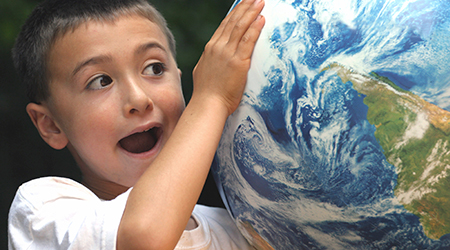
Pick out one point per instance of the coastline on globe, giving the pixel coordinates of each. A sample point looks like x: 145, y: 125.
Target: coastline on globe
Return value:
x: 342, y: 138
x: 414, y: 135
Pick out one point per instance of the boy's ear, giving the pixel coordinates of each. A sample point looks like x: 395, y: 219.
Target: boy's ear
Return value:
x: 46, y: 126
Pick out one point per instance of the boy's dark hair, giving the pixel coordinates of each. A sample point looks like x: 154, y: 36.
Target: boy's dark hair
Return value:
x: 53, y: 18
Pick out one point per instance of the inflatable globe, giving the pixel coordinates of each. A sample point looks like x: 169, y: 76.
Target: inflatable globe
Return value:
x: 342, y: 139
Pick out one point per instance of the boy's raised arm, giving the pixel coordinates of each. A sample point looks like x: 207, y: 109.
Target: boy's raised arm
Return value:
x: 161, y: 202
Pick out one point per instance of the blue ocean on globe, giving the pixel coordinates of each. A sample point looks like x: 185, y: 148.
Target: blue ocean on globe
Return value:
x: 342, y: 139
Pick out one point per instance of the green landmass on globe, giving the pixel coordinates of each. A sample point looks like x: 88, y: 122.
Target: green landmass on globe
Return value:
x: 415, y: 137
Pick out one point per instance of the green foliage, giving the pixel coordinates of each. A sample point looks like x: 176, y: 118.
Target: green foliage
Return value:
x: 12, y: 16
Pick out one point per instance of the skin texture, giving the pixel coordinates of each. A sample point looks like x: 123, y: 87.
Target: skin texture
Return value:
x: 105, y: 87
x: 91, y: 119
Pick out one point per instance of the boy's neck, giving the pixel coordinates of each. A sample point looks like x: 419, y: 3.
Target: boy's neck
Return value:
x: 104, y: 189
x: 98, y: 188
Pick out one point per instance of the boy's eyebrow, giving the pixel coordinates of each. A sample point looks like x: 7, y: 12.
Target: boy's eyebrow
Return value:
x: 91, y: 61
x: 105, y: 58
x: 151, y: 45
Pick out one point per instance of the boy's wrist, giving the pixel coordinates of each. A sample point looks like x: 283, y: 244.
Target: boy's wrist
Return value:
x: 217, y: 106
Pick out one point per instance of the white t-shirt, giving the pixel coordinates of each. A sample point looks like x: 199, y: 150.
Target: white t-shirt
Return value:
x: 59, y: 213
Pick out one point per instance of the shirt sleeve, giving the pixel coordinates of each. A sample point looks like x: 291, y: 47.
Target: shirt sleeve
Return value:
x: 59, y: 213
x: 216, y: 231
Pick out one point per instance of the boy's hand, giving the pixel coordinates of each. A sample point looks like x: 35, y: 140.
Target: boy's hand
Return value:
x: 221, y: 72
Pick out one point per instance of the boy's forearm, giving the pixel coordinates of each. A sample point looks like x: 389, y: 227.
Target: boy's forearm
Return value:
x: 163, y: 199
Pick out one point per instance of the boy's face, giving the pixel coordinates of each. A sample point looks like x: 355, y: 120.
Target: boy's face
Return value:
x: 109, y: 83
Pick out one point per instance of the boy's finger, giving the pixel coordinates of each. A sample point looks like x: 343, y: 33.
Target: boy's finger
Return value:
x: 228, y: 23
x: 247, y: 43
x: 242, y: 26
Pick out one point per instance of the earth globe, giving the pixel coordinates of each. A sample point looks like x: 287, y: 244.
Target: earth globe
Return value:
x: 342, y: 138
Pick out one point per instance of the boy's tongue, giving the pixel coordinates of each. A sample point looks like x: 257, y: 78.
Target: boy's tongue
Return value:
x: 139, y: 142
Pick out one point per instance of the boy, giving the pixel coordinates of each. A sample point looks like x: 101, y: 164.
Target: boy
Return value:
x: 103, y: 81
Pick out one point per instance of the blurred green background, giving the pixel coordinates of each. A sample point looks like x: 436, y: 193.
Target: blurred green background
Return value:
x: 23, y: 154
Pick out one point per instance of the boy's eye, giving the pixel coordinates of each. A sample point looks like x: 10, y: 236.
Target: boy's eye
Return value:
x: 156, y: 69
x: 100, y: 82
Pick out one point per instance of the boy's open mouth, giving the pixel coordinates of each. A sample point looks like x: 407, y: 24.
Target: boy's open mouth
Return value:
x: 141, y: 142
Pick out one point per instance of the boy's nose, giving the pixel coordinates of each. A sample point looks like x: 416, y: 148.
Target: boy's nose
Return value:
x: 138, y: 101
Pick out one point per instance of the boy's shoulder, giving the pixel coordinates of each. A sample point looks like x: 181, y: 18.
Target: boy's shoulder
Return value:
x: 50, y: 181
x: 60, y: 213
x: 39, y: 191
